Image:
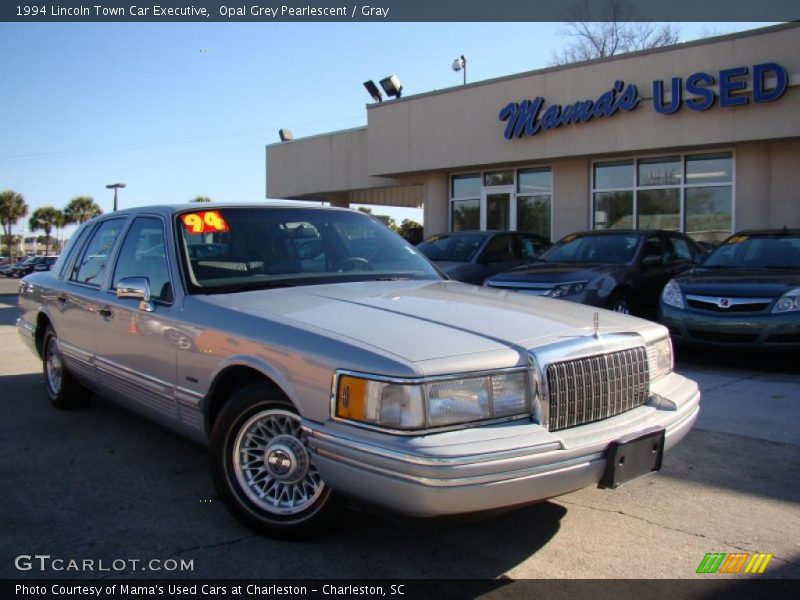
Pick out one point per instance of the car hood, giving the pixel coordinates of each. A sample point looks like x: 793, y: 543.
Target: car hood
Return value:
x: 423, y: 320
x: 557, y: 272
x: 756, y: 283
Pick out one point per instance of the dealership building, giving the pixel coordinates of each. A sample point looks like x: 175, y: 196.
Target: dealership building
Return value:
x: 701, y: 137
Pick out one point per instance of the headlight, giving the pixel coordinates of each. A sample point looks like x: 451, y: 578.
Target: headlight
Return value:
x: 435, y: 404
x: 789, y: 302
x: 566, y: 289
x: 659, y: 358
x: 672, y: 295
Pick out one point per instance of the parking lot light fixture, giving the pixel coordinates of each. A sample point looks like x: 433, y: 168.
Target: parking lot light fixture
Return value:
x: 115, y: 187
x: 392, y: 86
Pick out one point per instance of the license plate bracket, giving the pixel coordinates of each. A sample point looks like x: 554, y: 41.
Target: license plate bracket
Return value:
x: 633, y: 457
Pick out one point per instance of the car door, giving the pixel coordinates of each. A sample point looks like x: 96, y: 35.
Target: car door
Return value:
x: 651, y: 277
x: 681, y: 254
x: 77, y: 302
x: 137, y: 348
x: 501, y: 253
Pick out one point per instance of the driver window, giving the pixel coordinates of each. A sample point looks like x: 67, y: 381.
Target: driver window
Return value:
x: 653, y: 247
x: 143, y: 255
x: 500, y: 248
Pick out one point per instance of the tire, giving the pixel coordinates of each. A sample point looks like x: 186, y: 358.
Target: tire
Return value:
x: 63, y: 390
x: 265, y: 494
x: 620, y: 302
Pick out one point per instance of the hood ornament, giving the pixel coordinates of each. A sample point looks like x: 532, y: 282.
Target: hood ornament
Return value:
x: 597, y: 325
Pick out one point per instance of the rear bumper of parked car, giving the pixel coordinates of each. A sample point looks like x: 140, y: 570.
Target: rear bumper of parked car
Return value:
x: 484, y: 468
x: 771, y: 331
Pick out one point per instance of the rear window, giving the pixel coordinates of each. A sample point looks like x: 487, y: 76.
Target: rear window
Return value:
x: 452, y: 248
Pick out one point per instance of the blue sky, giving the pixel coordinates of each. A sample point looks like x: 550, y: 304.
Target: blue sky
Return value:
x: 177, y: 110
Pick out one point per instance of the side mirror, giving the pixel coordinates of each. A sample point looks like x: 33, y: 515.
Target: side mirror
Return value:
x: 652, y: 260
x: 136, y: 287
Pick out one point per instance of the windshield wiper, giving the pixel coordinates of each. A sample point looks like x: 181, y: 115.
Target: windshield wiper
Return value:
x: 391, y: 279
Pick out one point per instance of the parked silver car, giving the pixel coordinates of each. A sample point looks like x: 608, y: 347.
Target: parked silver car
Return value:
x: 321, y: 356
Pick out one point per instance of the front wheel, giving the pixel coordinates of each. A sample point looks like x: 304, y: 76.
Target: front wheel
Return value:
x: 262, y: 468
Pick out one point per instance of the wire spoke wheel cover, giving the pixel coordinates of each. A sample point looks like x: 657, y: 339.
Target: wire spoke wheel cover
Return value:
x: 53, y: 366
x: 272, y: 464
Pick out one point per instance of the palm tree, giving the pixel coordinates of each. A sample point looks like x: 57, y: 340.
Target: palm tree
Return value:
x: 60, y: 222
x: 80, y: 209
x: 44, y: 218
x: 12, y: 209
x: 200, y: 199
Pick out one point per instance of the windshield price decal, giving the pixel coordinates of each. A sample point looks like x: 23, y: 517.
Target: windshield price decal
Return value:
x: 207, y: 221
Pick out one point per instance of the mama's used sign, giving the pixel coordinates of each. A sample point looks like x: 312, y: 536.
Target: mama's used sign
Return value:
x: 698, y: 92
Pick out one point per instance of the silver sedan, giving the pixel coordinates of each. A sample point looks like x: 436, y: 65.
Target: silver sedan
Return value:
x: 321, y: 356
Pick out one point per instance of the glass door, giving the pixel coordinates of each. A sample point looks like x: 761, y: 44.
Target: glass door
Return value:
x: 497, y: 208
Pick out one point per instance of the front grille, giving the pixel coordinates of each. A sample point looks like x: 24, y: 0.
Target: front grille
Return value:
x: 733, y: 308
x: 723, y: 337
x: 596, y: 387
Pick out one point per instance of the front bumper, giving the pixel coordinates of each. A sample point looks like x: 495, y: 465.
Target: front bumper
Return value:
x: 489, y: 467
x: 769, y: 331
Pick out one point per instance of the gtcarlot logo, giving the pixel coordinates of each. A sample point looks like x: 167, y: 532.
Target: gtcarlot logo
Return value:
x: 45, y: 563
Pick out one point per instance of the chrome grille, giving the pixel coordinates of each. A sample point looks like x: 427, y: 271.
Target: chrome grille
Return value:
x: 596, y: 387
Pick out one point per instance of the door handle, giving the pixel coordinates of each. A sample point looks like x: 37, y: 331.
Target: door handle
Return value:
x: 62, y: 298
x: 106, y: 312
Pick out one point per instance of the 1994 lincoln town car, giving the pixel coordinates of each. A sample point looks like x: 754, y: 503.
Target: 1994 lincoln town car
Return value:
x: 320, y: 356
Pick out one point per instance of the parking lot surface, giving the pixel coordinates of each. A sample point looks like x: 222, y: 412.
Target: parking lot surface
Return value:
x: 102, y: 483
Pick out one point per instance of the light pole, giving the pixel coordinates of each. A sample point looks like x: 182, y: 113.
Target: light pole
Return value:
x: 115, y: 186
x: 460, y: 64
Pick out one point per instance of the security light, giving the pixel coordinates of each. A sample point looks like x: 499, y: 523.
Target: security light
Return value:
x: 459, y: 64
x: 285, y: 134
x: 373, y: 90
x: 392, y: 86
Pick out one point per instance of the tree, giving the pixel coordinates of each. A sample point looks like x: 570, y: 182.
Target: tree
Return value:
x: 44, y: 218
x: 200, y: 199
x: 80, y: 209
x: 614, y: 33
x: 410, y: 230
x: 12, y: 209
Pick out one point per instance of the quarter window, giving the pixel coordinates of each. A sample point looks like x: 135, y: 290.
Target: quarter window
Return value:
x: 91, y: 267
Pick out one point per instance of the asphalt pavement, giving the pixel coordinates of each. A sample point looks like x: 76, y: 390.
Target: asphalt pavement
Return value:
x: 102, y: 483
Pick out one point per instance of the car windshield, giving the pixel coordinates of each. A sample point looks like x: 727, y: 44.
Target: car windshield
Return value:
x: 459, y: 247
x: 765, y: 252
x: 614, y: 248
x: 235, y: 249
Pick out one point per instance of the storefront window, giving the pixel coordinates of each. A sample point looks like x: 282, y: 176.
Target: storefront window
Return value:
x: 613, y: 210
x: 466, y: 215
x: 708, y: 213
x: 709, y: 168
x: 534, y: 200
x: 659, y: 208
x: 691, y: 193
x: 466, y: 186
x: 493, y: 178
x: 613, y: 175
x: 660, y: 171
x: 534, y: 214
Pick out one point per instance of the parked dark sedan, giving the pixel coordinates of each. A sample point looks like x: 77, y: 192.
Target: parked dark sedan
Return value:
x: 744, y: 294
x: 622, y: 270
x: 472, y: 256
x: 36, y: 263
x: 9, y: 269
